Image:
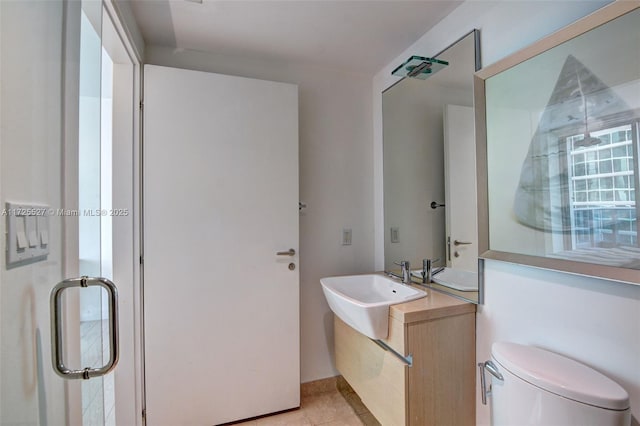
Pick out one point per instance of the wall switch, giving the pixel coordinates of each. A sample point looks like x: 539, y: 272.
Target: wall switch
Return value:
x: 32, y: 233
x: 346, y: 237
x: 395, y: 234
x: 27, y: 233
x: 21, y: 233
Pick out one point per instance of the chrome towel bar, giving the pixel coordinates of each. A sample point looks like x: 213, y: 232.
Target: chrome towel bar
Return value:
x: 406, y: 360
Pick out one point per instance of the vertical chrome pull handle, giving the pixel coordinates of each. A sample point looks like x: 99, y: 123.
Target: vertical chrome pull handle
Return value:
x: 493, y: 370
x: 57, y: 344
x: 483, y: 384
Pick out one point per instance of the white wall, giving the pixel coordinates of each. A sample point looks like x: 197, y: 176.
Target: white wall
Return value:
x: 594, y: 321
x: 335, y: 180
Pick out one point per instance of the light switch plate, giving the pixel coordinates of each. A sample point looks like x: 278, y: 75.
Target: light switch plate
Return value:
x: 346, y: 237
x: 27, y: 233
x: 395, y: 234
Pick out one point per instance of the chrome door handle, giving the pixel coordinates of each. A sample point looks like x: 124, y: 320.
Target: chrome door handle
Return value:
x: 57, y: 347
x: 290, y: 252
x: 461, y: 243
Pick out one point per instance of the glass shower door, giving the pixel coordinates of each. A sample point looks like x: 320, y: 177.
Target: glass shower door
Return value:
x: 55, y: 168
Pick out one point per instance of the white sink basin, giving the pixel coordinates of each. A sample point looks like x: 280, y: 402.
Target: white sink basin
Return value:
x: 457, y: 279
x: 363, y: 301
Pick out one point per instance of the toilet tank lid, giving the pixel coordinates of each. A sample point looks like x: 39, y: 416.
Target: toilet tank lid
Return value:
x: 560, y: 375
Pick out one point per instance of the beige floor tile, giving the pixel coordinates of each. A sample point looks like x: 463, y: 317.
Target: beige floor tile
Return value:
x: 327, y: 407
x: 326, y: 403
x: 290, y: 418
x: 318, y: 386
x: 352, y: 420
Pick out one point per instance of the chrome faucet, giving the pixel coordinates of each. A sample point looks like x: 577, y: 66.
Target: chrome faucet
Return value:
x: 428, y: 271
x: 406, y: 272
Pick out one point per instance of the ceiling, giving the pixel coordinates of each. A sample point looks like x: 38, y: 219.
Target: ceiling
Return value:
x: 351, y: 35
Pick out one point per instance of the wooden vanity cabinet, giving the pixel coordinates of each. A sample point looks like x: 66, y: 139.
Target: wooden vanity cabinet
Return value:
x: 438, y: 334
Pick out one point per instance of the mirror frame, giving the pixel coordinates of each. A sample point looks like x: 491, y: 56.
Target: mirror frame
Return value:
x: 580, y: 27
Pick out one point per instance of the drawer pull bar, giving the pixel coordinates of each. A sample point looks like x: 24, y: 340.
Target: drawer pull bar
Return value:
x: 406, y: 360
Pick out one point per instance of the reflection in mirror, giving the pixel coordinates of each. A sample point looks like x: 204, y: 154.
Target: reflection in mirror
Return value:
x: 429, y: 166
x: 562, y: 132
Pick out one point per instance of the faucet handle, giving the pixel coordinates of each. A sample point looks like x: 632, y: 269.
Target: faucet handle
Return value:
x: 403, y: 264
x: 427, y: 266
x: 428, y: 262
x: 406, y: 270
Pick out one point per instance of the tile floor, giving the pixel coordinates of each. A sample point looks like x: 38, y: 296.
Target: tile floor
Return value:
x: 328, y: 402
x: 97, y: 394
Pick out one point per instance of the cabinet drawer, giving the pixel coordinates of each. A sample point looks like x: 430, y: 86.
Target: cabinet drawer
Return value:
x: 377, y: 375
x: 441, y: 383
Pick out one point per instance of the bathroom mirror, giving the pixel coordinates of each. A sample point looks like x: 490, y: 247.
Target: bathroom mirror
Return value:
x: 558, y: 142
x: 418, y: 116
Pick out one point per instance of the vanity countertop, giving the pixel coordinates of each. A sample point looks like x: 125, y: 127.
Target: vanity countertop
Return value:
x: 435, y: 305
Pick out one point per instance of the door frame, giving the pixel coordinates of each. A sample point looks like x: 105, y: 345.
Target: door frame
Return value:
x: 129, y: 379
x: 129, y: 371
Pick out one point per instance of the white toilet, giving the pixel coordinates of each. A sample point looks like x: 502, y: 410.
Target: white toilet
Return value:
x: 539, y: 387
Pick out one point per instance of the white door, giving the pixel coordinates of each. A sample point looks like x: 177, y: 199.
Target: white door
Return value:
x: 64, y: 95
x: 221, y: 307
x: 460, y: 188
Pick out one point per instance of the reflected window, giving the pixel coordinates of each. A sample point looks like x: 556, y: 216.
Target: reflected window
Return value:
x: 602, y: 190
